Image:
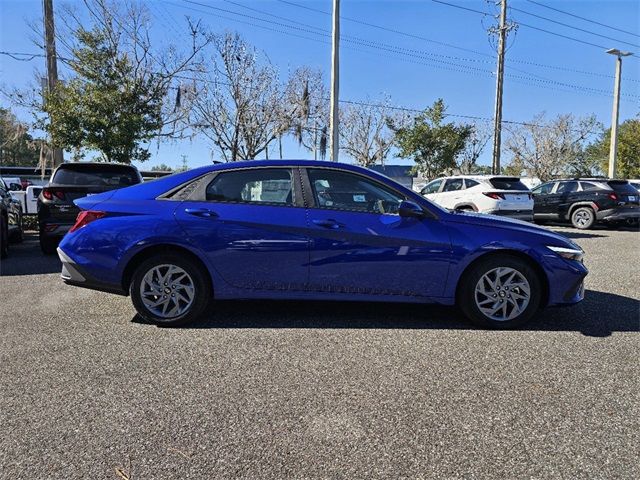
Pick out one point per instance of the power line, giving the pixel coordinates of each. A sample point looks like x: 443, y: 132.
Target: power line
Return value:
x: 573, y: 27
x: 379, y: 46
x: 17, y: 55
x: 524, y: 25
x: 418, y: 37
x: 583, y: 18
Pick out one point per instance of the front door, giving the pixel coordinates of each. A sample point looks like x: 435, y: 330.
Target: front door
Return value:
x: 250, y: 223
x: 359, y: 243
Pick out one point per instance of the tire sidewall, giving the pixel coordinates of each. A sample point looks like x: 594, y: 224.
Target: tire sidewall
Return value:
x: 202, y: 286
x: 589, y: 211
x: 466, y: 298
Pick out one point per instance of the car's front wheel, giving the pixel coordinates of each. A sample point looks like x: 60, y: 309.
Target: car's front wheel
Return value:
x: 502, y: 291
x: 170, y: 290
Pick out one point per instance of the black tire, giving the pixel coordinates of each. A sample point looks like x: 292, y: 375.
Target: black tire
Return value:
x: 203, y: 292
x: 4, y: 238
x: 466, y: 298
x: 48, y: 245
x: 583, y: 218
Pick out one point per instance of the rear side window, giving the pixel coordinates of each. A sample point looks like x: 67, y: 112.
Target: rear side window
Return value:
x: 109, y: 175
x: 453, y: 184
x: 254, y: 185
x: 506, y: 183
x: 432, y: 187
x: 622, y: 186
x: 470, y: 183
x: 589, y: 187
x: 568, y: 187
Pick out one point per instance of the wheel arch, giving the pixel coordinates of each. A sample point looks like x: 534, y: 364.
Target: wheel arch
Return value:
x: 591, y: 205
x: 161, y: 249
x: 513, y: 253
x: 462, y: 205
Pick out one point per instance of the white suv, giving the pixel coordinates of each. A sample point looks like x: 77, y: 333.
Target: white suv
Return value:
x: 497, y: 195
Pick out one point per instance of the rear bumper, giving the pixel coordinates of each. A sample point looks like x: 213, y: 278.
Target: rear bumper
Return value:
x: 54, y: 229
x: 526, y: 215
x: 73, y: 274
x: 618, y: 214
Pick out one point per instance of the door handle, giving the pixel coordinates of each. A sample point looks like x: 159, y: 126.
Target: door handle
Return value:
x: 328, y: 223
x: 201, y: 212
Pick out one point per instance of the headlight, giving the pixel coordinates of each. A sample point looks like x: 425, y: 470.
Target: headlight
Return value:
x: 568, y: 253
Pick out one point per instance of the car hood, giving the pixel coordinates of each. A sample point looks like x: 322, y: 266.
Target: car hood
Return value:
x: 494, y: 221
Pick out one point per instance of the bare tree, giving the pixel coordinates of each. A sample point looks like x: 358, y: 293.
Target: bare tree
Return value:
x: 364, y: 130
x: 239, y: 103
x: 475, y: 145
x: 549, y: 148
x: 306, y: 112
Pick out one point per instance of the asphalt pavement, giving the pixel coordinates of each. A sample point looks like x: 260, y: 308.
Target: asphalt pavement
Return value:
x: 275, y: 390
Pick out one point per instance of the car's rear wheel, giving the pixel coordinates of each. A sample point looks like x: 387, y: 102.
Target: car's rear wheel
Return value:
x: 500, y: 292
x: 170, y: 290
x: 4, y: 238
x: 583, y: 218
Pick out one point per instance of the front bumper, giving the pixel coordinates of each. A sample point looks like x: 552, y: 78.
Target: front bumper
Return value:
x: 74, y: 274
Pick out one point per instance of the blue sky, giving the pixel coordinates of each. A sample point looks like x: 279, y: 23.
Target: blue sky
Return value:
x: 451, y: 59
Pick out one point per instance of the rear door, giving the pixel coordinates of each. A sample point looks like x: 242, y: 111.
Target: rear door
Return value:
x: 359, y: 243
x: 517, y: 196
x: 566, y: 195
x: 250, y: 223
x: 452, y: 193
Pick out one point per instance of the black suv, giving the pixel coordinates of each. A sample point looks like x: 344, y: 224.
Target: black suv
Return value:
x: 57, y: 212
x: 585, y: 201
x: 10, y: 219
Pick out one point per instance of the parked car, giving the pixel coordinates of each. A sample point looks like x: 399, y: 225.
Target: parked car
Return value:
x: 28, y: 199
x: 496, y: 195
x: 10, y: 220
x: 310, y: 230
x: 12, y: 184
x: 586, y: 201
x: 70, y: 181
x: 635, y: 183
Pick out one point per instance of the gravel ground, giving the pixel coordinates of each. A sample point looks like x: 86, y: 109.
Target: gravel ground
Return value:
x: 290, y: 390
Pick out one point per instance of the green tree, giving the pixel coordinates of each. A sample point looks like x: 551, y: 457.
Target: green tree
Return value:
x: 107, y: 106
x: 628, y: 159
x: 17, y: 147
x: 163, y: 167
x: 432, y: 144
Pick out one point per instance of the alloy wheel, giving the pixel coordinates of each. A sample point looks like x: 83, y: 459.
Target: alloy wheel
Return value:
x: 167, y: 291
x: 582, y: 218
x: 502, y: 294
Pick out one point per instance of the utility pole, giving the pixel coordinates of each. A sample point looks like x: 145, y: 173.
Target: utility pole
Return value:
x: 613, y: 147
x: 497, y: 116
x: 52, y: 64
x: 335, y: 82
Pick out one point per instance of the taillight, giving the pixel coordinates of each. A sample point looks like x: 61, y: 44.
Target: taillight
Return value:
x: 495, y: 196
x: 85, y: 217
x: 613, y: 197
x: 47, y: 194
x: 59, y: 194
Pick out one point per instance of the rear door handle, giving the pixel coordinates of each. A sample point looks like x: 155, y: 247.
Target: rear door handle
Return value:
x: 328, y: 223
x: 201, y: 212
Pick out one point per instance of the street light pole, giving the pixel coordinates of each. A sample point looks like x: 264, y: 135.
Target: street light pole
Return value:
x: 615, y: 114
x: 335, y: 83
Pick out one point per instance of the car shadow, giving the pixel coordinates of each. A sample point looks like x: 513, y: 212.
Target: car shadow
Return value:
x: 575, y: 235
x: 26, y: 259
x: 599, y: 315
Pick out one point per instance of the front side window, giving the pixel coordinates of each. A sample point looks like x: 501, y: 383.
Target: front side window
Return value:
x: 453, y: 184
x: 432, y: 187
x: 254, y: 185
x: 337, y: 190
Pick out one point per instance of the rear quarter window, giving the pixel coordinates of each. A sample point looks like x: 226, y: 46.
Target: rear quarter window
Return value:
x: 508, y: 184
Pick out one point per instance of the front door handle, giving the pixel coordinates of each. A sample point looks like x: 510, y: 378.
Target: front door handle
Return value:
x: 328, y: 223
x: 201, y: 212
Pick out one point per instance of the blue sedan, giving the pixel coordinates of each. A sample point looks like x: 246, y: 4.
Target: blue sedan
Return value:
x: 310, y: 230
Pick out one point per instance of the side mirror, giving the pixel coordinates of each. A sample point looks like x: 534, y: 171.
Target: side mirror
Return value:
x: 410, y: 209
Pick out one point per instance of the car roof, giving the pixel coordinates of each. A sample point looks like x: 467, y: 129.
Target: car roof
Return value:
x: 96, y: 165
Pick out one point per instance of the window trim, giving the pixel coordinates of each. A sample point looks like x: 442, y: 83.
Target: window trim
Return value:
x: 440, y: 187
x: 209, y: 177
x: 453, y: 179
x: 306, y: 186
